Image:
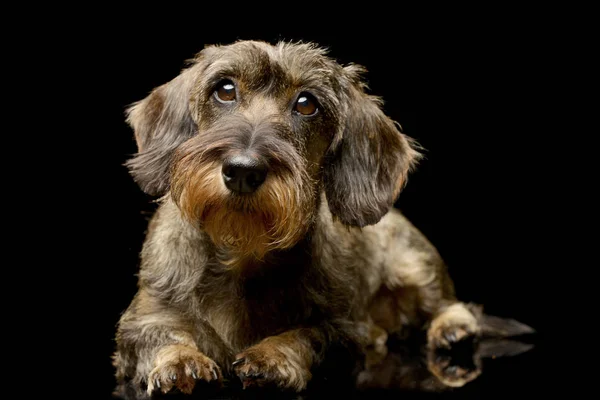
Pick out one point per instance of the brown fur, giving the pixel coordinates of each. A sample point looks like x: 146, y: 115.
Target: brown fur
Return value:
x: 265, y: 285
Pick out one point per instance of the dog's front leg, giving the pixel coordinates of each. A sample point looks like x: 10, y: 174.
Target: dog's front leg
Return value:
x: 282, y: 361
x: 158, y: 350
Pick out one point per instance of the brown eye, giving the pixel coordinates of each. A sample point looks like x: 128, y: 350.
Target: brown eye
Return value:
x: 225, y: 91
x: 306, y: 104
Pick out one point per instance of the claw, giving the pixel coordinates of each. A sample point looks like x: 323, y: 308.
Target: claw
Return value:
x: 238, y: 362
x: 452, y: 369
x: 250, y: 378
x: 451, y: 337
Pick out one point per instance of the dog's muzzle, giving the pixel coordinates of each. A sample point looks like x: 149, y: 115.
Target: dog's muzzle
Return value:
x: 243, y: 173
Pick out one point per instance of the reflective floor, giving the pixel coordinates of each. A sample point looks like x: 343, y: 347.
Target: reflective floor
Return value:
x: 491, y: 368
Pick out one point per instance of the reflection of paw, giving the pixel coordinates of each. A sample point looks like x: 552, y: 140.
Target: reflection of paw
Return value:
x: 452, y: 372
x: 272, y: 364
x: 179, y: 367
x: 453, y: 325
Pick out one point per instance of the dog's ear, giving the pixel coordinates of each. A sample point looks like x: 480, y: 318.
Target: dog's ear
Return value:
x: 161, y: 122
x: 369, y: 158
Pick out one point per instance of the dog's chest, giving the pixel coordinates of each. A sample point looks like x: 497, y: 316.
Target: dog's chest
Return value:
x: 244, y: 311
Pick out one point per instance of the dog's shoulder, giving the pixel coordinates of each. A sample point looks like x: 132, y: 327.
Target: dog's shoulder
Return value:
x: 174, y: 253
x: 390, y: 226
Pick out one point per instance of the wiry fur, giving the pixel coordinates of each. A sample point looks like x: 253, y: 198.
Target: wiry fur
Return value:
x: 265, y: 286
x: 278, y: 214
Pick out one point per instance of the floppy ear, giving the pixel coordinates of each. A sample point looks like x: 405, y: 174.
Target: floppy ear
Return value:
x: 369, y: 158
x: 161, y: 122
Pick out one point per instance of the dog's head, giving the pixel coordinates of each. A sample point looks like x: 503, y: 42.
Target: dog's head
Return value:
x: 247, y: 137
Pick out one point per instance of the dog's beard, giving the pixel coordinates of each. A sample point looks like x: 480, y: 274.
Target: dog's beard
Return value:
x: 276, y: 216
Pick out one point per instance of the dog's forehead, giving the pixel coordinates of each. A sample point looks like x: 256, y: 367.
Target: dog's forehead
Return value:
x: 260, y: 64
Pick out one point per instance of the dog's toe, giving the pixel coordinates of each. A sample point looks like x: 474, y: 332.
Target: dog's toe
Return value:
x: 447, y: 336
x: 180, y: 368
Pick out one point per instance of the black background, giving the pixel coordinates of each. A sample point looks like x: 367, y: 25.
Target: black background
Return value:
x: 470, y: 94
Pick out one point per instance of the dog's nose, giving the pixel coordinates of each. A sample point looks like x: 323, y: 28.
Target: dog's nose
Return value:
x: 243, y: 174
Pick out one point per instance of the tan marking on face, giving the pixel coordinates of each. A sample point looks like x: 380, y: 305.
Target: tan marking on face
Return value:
x: 274, y: 217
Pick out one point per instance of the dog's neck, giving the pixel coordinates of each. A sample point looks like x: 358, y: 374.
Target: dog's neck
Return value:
x: 301, y: 252
x: 296, y: 257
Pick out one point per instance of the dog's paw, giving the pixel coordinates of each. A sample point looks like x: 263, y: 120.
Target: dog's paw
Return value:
x: 454, y: 325
x: 180, y: 367
x: 272, y: 364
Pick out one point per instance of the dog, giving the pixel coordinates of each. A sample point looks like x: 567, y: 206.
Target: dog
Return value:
x: 275, y: 243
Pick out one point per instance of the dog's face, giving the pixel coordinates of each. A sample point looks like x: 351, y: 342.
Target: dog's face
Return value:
x: 248, y: 136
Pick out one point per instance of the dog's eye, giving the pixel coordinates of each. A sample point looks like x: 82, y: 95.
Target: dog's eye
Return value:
x: 225, y: 91
x: 306, y: 104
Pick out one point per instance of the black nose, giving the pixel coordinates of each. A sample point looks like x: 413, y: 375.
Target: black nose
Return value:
x: 243, y: 174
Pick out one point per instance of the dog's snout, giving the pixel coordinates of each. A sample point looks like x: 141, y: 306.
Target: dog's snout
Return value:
x: 244, y: 174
